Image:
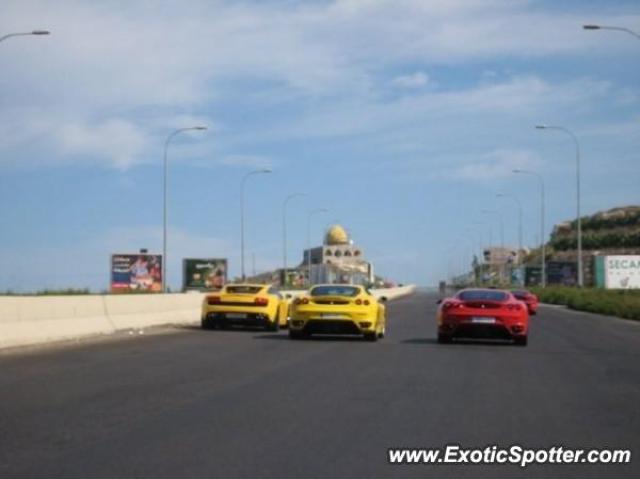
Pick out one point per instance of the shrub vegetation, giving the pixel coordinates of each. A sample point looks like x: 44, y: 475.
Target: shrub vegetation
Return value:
x: 614, y: 302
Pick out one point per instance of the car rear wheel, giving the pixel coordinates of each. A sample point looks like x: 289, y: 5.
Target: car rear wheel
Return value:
x: 520, y: 340
x: 444, y: 338
x: 206, y: 324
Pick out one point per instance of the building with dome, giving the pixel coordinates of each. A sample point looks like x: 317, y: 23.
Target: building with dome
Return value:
x: 338, y: 260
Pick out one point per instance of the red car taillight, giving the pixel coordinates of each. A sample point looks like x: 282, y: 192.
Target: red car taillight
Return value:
x: 449, y: 305
x: 211, y: 300
x: 301, y: 301
x: 514, y: 307
x: 360, y: 302
x: 261, y: 302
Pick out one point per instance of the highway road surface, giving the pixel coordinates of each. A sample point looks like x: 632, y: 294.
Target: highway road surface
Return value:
x: 181, y: 402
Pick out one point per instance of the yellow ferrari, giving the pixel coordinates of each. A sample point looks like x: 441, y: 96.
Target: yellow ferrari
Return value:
x: 252, y: 305
x: 338, y: 309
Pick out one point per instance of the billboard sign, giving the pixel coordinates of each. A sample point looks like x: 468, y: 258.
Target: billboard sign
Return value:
x: 563, y: 273
x: 618, y: 272
x: 518, y: 276
x: 203, y: 274
x: 533, y: 276
x: 136, y: 272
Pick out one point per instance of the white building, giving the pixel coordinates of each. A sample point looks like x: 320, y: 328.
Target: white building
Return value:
x: 338, y: 260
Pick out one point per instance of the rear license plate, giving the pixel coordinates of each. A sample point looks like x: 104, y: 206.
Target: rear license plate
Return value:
x: 236, y: 316
x: 483, y: 320
x: 331, y: 316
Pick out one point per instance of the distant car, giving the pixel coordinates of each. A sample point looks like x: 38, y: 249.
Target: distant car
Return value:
x: 255, y: 305
x: 530, y: 299
x: 483, y: 313
x: 338, y: 309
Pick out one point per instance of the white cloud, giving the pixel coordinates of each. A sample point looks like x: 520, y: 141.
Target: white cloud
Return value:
x: 495, y: 165
x: 629, y: 129
x: 414, y: 80
x: 247, y: 161
x: 121, y: 68
x: 116, y: 140
x: 525, y: 97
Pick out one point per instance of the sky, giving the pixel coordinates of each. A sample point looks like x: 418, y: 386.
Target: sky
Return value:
x: 402, y: 118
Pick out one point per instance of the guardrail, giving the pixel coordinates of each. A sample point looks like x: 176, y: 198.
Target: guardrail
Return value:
x: 28, y: 320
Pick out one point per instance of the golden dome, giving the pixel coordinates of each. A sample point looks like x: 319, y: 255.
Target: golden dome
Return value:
x: 336, y: 235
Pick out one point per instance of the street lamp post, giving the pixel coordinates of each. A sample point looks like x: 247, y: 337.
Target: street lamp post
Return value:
x: 483, y: 244
x: 284, y: 234
x: 450, y: 265
x: 543, y: 243
x: 579, y: 221
x: 619, y: 29
x: 519, y: 204
x: 253, y: 264
x: 19, y: 34
x: 242, y: 183
x: 490, y: 237
x: 494, y: 212
x: 311, y: 213
x: 478, y: 247
x: 469, y: 258
x: 164, y: 201
x: 475, y: 248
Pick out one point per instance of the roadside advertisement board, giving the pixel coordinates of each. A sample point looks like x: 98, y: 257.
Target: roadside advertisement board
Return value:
x: 136, y: 272
x: 618, y: 272
x: 563, y: 273
x: 518, y: 276
x: 203, y: 274
x: 533, y: 276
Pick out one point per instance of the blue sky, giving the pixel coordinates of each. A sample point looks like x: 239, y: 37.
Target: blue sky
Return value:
x: 403, y: 118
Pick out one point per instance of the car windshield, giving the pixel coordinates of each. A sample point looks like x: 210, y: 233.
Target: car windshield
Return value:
x: 335, y: 291
x: 482, y: 295
x: 243, y: 289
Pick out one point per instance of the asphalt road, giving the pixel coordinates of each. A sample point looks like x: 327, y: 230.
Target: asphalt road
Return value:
x: 190, y: 403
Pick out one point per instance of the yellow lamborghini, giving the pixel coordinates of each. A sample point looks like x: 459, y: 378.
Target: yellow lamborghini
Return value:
x: 245, y: 305
x: 338, y: 309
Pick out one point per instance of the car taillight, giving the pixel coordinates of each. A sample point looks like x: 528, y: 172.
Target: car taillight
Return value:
x: 211, y: 300
x: 261, y: 301
x: 361, y: 302
x: 448, y: 305
x: 301, y: 301
x: 366, y: 302
x: 514, y: 307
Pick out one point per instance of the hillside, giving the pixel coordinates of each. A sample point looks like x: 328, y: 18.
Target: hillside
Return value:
x: 614, y: 229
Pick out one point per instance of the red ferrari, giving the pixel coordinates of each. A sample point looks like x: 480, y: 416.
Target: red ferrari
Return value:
x: 530, y: 299
x: 483, y: 313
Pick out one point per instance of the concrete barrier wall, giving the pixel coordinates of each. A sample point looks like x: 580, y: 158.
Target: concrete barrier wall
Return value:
x: 389, y: 293
x: 394, y: 293
x: 37, y: 319
x: 26, y: 320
